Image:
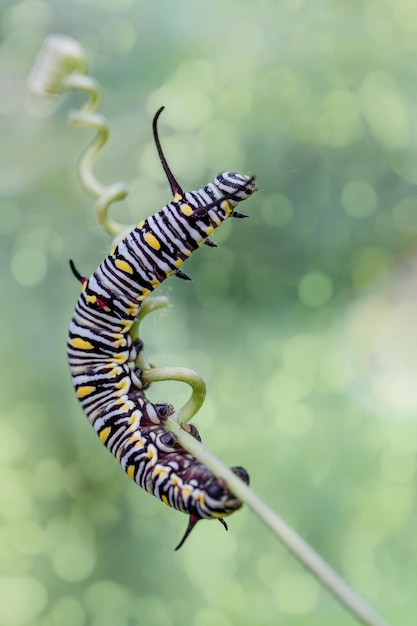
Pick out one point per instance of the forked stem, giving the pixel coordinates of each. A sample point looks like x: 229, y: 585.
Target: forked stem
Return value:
x: 181, y: 375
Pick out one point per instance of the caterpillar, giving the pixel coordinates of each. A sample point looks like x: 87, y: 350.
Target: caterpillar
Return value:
x: 101, y: 352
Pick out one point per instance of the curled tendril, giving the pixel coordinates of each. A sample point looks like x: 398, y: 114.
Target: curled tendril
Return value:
x: 60, y: 66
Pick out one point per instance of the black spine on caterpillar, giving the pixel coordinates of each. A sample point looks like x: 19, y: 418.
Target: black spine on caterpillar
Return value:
x: 101, y: 351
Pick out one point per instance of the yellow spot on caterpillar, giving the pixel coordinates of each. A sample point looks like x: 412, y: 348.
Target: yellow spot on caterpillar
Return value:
x: 125, y: 406
x: 217, y: 220
x: 86, y: 390
x: 218, y: 515
x: 186, y: 210
x: 150, y: 453
x: 120, y: 341
x: 227, y: 208
x: 186, y: 492
x: 140, y: 224
x: 81, y: 344
x: 176, y: 480
x: 201, y: 498
x: 118, y: 358
x: 91, y: 299
x: 132, y: 310
x: 137, y: 440
x: 209, y: 230
x: 165, y: 500
x: 84, y: 286
x: 177, y: 197
x: 130, y: 471
x: 104, y: 434
x: 124, y: 266
x: 179, y: 262
x: 113, y: 371
x: 155, y: 283
x: 159, y: 471
x: 144, y: 293
x: 122, y: 387
x: 127, y: 324
x: 152, y: 241
x: 113, y: 250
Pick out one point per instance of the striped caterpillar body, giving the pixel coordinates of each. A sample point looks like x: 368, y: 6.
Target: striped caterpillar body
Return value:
x: 101, y: 352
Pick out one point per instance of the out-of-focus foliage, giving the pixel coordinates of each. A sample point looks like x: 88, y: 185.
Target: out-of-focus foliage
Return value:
x: 303, y: 322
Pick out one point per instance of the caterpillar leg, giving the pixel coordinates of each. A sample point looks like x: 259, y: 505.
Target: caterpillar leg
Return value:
x: 135, y: 349
x: 191, y: 523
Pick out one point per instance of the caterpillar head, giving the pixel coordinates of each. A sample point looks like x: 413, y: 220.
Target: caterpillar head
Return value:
x: 234, y: 186
x: 213, y: 500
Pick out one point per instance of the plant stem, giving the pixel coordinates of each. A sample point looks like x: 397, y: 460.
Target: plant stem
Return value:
x: 293, y: 542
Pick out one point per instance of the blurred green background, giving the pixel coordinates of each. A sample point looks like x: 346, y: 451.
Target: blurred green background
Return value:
x: 302, y: 323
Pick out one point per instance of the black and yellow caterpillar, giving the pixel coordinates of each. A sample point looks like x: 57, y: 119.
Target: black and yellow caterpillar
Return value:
x: 101, y: 351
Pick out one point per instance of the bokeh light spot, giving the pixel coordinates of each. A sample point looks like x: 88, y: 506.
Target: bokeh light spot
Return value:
x: 21, y: 600
x: 405, y: 12
x: 74, y: 559
x: 189, y: 108
x: 10, y: 217
x: 68, y: 610
x: 385, y: 110
x: 222, y: 144
x: 108, y: 599
x: 31, y: 415
x: 367, y: 264
x: 29, y: 266
x: 296, y: 594
x: 210, y: 616
x: 398, y: 467
x: 359, y: 198
x: 359, y: 560
x: 279, y: 86
x: 17, y: 16
x: 315, y: 289
x: 197, y: 72
x: 404, y: 216
x: 285, y: 389
x: 342, y: 114
x: 12, y: 444
x: 234, y: 104
x: 302, y: 353
x: 276, y: 209
x: 381, y: 342
x: 295, y: 420
x: 116, y: 5
x: 26, y: 536
x: 246, y: 42
x: 120, y: 35
x: 15, y: 500
x: 48, y: 478
x: 333, y: 368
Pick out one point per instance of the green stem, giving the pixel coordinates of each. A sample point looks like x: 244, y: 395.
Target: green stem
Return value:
x: 148, y: 306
